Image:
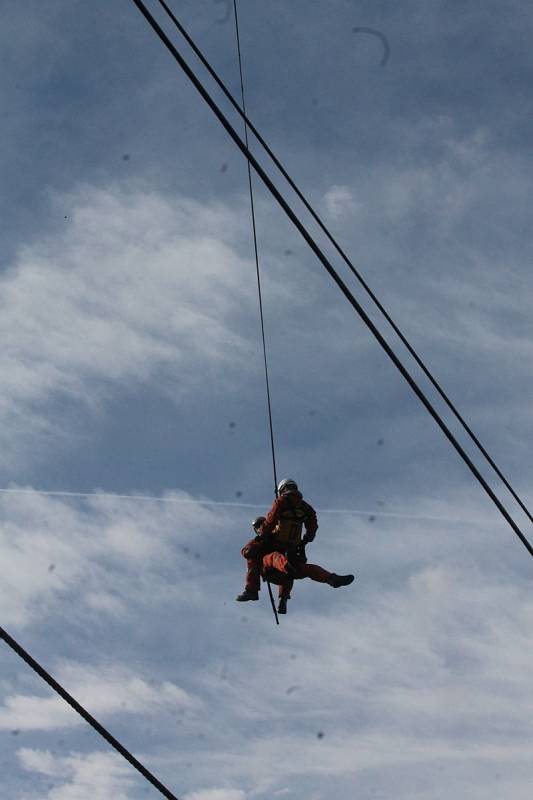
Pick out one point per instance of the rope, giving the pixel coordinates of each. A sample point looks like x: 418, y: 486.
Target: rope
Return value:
x: 254, y: 230
x: 260, y: 296
x: 348, y: 262
x: 85, y: 714
x: 329, y: 268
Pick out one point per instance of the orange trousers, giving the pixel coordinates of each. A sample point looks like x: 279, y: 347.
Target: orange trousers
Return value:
x: 277, y: 569
x: 254, y: 551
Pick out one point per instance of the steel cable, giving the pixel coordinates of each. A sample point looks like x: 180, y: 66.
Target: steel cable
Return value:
x: 347, y: 260
x: 328, y: 266
x: 147, y: 775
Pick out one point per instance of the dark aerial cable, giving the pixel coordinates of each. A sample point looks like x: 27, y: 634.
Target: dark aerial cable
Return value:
x: 147, y: 775
x: 329, y: 268
x: 259, y: 293
x: 346, y: 258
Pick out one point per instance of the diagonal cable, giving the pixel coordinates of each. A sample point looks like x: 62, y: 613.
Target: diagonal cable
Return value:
x: 347, y: 260
x: 329, y: 268
x: 147, y: 775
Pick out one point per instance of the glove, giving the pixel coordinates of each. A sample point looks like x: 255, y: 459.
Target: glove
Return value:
x: 296, y: 555
x: 300, y: 552
x: 306, y: 539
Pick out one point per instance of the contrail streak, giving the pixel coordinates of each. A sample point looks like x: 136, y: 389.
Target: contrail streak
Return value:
x: 224, y: 504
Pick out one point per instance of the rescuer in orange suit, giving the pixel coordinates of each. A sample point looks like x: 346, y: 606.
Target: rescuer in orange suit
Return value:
x: 278, y: 550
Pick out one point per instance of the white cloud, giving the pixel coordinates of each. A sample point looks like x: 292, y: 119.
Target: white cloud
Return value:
x: 420, y: 665
x: 339, y: 201
x: 104, y: 601
x: 50, y: 548
x: 94, y: 776
x: 440, y: 190
x: 136, y: 288
x: 216, y: 794
x: 428, y: 669
x: 39, y: 761
x: 419, y: 675
x: 102, y: 690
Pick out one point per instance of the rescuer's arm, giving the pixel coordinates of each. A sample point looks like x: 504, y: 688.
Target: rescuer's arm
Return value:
x: 272, y: 517
x: 311, y: 526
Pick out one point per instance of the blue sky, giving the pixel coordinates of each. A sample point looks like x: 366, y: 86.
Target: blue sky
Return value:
x: 131, y: 365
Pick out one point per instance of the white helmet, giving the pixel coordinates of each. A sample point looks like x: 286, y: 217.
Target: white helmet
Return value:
x: 287, y: 485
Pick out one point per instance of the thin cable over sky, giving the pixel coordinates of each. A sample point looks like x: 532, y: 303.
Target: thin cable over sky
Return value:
x: 349, y: 263
x: 327, y: 265
x: 79, y: 709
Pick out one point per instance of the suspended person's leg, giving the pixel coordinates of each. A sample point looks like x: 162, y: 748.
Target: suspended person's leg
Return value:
x: 253, y: 552
x: 284, y: 594
x: 321, y: 575
x: 300, y: 569
x: 274, y: 570
x: 340, y: 580
x: 275, y: 561
x: 297, y: 570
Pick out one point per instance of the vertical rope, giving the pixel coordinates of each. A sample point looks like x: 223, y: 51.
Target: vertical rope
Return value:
x: 348, y: 262
x: 256, y: 252
x: 259, y: 293
x: 328, y: 266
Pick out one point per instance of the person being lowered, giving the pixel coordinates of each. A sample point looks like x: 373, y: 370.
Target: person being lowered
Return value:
x: 277, y: 552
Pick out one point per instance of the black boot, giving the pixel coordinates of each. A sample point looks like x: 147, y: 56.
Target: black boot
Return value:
x: 340, y: 580
x: 247, y: 595
x: 282, y: 605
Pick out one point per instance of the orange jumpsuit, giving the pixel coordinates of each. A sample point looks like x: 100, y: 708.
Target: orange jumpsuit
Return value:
x: 275, y: 552
x: 279, y: 569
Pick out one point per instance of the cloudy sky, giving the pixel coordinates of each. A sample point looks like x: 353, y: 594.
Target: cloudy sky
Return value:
x: 131, y: 367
